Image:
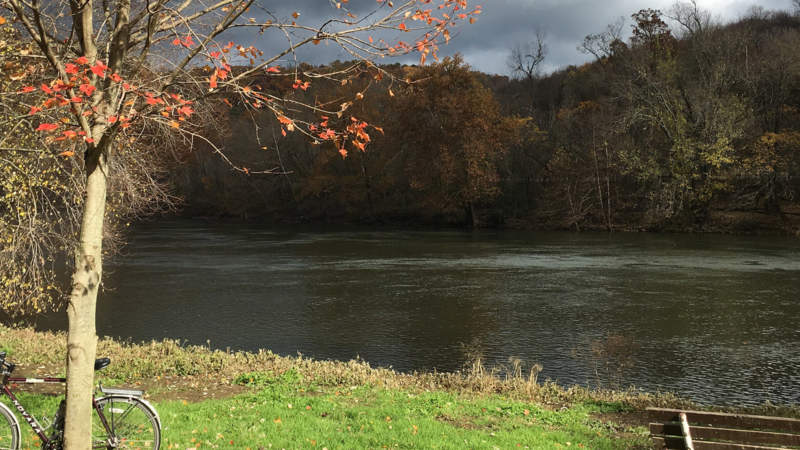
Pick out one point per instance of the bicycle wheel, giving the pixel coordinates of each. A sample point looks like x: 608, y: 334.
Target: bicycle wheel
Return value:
x: 127, y: 422
x: 9, y: 429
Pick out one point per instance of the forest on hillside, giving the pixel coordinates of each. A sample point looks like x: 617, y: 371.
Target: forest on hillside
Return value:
x: 687, y: 125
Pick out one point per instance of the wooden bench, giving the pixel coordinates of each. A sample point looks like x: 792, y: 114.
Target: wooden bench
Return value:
x: 699, y: 430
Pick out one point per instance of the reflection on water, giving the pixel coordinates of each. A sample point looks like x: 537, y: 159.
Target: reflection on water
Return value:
x: 714, y: 318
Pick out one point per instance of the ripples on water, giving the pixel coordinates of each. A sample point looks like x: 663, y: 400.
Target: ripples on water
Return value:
x: 714, y: 318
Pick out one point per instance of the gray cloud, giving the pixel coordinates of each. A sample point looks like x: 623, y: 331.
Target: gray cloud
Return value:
x: 504, y: 24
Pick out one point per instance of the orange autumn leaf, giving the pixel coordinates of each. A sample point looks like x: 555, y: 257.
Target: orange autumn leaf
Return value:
x: 87, y: 89
x: 99, y: 69
x: 47, y: 127
x: 67, y: 154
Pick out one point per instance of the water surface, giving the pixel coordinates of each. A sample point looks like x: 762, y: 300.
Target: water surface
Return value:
x: 713, y: 318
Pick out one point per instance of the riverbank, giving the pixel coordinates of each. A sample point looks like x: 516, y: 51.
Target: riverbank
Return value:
x: 239, y: 399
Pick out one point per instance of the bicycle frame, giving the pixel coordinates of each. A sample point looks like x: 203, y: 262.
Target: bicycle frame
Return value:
x: 34, y: 424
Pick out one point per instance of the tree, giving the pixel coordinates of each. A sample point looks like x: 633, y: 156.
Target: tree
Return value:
x: 606, y: 43
x: 525, y: 63
x: 123, y: 70
x: 526, y: 59
x: 690, y: 17
x: 453, y: 140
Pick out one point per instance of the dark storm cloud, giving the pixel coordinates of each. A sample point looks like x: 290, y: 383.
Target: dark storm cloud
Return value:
x: 487, y: 44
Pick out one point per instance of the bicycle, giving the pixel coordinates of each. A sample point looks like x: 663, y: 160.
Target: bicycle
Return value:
x: 123, y: 419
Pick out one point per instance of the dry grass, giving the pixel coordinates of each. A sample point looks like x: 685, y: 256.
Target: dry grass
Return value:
x: 163, y: 361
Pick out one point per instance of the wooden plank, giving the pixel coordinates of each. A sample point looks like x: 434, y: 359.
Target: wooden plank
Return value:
x: 730, y: 420
x: 667, y: 443
x: 727, y: 434
x: 675, y: 443
x: 705, y: 445
x: 665, y: 429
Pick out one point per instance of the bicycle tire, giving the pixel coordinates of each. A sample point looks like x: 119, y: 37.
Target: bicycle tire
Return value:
x: 132, y: 423
x: 9, y: 429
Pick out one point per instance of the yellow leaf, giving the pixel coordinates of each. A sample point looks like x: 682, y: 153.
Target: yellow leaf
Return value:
x: 174, y: 124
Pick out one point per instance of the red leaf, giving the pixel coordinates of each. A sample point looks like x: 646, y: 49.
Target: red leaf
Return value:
x: 27, y: 89
x: 186, y: 111
x: 34, y: 110
x: 47, y: 127
x: 87, y: 89
x: 70, y: 68
x: 82, y: 60
x: 212, y: 82
x: 99, y: 69
x: 46, y: 89
x: 273, y: 70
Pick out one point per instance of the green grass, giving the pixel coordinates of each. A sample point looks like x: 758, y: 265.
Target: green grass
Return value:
x: 286, y: 411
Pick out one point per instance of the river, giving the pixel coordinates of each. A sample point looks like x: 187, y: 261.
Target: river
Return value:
x: 713, y: 318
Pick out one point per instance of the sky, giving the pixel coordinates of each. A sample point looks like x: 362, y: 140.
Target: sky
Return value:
x: 486, y: 45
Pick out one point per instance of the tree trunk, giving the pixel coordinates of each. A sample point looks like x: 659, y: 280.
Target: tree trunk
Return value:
x: 82, y: 336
